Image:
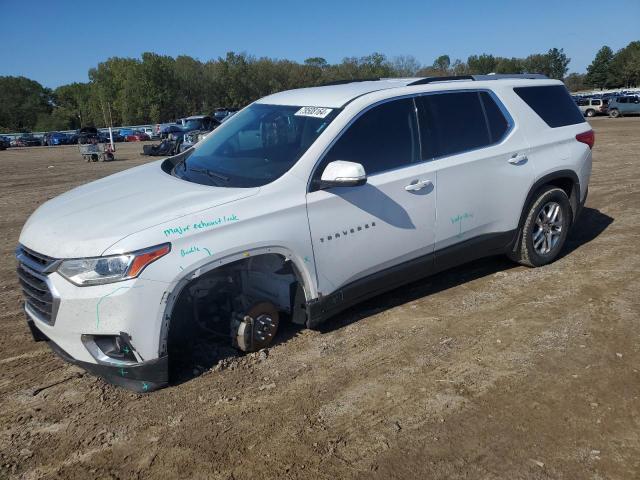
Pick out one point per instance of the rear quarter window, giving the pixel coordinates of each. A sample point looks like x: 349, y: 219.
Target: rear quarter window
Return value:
x: 498, y: 124
x: 552, y: 103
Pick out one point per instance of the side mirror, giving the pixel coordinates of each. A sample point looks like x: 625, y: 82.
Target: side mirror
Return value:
x: 340, y: 173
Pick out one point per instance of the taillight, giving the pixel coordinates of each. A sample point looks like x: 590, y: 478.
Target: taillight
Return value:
x: 587, y: 137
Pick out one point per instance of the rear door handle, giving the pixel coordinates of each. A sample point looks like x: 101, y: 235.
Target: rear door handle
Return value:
x: 418, y: 185
x: 518, y: 159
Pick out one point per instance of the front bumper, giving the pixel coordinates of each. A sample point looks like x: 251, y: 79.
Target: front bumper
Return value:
x: 111, y: 330
x: 142, y: 377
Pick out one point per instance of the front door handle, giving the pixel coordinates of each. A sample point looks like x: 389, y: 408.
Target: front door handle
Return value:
x: 518, y: 159
x: 418, y: 185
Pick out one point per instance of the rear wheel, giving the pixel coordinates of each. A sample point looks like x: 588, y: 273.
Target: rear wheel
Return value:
x: 545, y: 228
x: 614, y: 113
x: 591, y: 113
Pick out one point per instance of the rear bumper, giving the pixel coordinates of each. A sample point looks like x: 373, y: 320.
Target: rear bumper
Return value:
x: 142, y: 377
x: 580, y: 206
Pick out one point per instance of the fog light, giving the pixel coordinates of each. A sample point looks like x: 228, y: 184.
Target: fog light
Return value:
x: 117, y: 347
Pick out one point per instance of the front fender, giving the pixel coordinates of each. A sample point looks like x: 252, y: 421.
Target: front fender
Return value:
x: 211, y: 262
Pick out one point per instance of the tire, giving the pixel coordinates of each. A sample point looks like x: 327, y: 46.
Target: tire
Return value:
x: 542, y: 238
x: 590, y: 113
x: 614, y: 113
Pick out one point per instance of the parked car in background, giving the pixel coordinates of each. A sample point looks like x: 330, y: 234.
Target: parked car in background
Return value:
x: 137, y: 136
x: 191, y: 138
x: 627, y: 105
x: 172, y: 131
x: 55, y: 138
x: 149, y: 131
x: 5, y: 142
x: 175, y: 131
x: 117, y: 136
x: 124, y: 132
x: 590, y: 107
x: 28, y: 140
x: 220, y: 114
x: 231, y: 114
x: 85, y: 135
x: 200, y: 122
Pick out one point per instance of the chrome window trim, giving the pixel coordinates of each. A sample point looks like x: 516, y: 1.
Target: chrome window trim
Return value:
x: 499, y: 103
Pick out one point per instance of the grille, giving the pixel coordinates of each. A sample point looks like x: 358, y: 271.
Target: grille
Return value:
x: 37, y: 258
x: 32, y: 274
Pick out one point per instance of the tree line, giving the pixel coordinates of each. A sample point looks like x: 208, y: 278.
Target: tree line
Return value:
x: 158, y: 88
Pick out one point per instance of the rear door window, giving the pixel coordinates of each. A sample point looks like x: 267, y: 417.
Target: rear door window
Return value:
x: 552, y: 103
x: 457, y: 122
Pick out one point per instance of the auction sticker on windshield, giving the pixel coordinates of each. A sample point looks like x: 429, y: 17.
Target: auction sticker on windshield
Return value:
x: 316, y: 112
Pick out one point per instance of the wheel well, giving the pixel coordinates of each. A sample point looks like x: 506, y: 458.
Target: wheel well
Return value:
x: 567, y: 180
x: 568, y: 184
x: 203, y: 309
x: 572, y: 189
x: 565, y: 183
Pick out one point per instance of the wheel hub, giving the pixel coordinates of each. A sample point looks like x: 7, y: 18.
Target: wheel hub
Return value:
x: 264, y: 329
x: 256, y: 328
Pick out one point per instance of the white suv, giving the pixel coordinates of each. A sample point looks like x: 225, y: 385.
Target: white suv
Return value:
x: 304, y: 203
x: 590, y: 107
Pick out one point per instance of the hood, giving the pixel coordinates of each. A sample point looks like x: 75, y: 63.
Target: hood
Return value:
x: 89, y: 219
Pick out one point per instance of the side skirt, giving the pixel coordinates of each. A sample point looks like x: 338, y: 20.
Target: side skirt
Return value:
x: 321, y: 309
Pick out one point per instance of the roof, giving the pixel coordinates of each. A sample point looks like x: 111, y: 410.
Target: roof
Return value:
x: 333, y: 96
x: 338, y: 95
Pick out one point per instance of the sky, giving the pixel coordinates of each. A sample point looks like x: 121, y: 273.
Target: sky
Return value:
x: 57, y: 42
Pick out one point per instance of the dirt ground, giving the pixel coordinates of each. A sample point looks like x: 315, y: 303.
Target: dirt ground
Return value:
x: 488, y: 371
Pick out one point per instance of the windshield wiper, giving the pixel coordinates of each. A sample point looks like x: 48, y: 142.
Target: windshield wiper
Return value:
x: 210, y: 173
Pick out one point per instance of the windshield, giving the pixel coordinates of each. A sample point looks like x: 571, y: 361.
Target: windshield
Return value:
x: 194, y: 124
x: 256, y: 146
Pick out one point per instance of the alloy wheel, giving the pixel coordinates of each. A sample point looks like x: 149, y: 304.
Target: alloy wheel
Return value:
x: 548, y: 228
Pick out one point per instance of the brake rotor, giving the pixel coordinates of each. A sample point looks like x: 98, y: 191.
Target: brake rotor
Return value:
x: 258, y: 327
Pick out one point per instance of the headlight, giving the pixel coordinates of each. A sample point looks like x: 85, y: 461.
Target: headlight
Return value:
x: 114, y: 268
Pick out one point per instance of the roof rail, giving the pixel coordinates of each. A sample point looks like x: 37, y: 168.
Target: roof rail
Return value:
x: 478, y: 78
x: 351, y: 80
